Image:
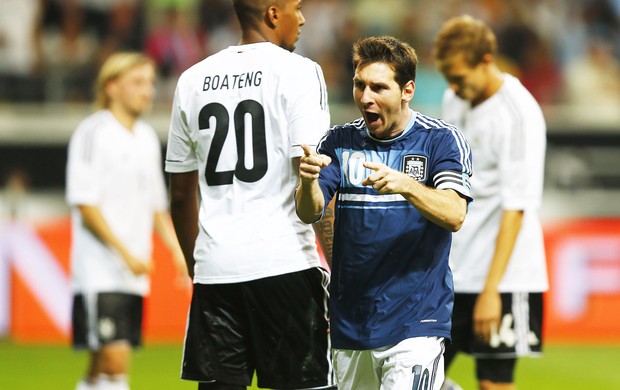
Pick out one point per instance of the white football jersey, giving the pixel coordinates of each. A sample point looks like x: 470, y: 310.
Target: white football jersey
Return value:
x: 238, y: 118
x: 120, y: 172
x: 507, y: 135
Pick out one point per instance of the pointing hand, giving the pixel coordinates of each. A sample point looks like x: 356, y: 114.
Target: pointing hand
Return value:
x: 311, y: 163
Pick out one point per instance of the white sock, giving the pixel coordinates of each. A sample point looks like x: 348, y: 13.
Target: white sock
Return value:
x: 449, y: 384
x: 84, y: 385
x: 116, y: 382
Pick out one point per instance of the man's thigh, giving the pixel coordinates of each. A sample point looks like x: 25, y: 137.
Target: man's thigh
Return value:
x: 276, y: 326
x: 415, y: 363
x: 106, y: 317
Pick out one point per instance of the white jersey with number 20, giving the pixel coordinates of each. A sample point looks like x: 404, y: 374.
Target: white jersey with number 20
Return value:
x: 238, y: 118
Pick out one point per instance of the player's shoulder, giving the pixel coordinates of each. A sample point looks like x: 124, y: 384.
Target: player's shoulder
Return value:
x: 438, y: 131
x: 304, y: 61
x: 517, y: 106
x: 284, y: 54
x: 98, y: 118
x: 340, y: 133
x: 93, y: 123
x: 145, y: 129
x: 513, y: 84
x: 197, y: 68
x: 295, y: 65
x: 518, y: 94
x: 353, y: 126
x: 283, y: 62
x: 452, y: 105
x: 433, y: 125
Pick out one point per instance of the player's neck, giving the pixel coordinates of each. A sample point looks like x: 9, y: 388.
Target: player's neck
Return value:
x: 253, y: 36
x: 495, y: 81
x: 125, y: 118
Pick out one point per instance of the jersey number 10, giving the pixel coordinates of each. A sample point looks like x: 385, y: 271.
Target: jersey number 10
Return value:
x: 259, y: 142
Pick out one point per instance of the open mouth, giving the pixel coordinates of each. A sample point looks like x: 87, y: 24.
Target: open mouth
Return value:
x: 372, y: 117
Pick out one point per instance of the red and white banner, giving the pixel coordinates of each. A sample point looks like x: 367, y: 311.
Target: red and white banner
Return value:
x: 583, y: 304
x: 35, y: 295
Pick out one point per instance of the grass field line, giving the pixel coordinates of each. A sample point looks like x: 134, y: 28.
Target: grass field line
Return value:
x: 154, y: 367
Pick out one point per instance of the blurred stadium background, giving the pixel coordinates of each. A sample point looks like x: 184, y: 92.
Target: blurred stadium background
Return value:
x: 566, y: 52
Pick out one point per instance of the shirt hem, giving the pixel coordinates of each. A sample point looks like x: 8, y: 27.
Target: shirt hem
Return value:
x: 254, y: 276
x: 361, y: 346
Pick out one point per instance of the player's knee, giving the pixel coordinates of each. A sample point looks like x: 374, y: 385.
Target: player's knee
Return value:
x: 489, y: 385
x: 114, y: 359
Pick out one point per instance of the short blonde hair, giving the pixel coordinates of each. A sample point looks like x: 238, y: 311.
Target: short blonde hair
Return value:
x: 115, y: 66
x: 464, y: 34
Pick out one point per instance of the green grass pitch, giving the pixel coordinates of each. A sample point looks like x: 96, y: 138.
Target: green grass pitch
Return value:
x: 155, y: 367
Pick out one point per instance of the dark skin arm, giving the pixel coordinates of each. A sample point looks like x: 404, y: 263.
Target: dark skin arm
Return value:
x: 324, y: 229
x: 184, y: 213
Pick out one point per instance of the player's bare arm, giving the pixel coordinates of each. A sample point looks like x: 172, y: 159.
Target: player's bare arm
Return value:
x: 488, y: 308
x: 164, y: 228
x: 445, y: 208
x: 309, y: 197
x: 93, y: 220
x: 324, y: 230
x: 184, y: 213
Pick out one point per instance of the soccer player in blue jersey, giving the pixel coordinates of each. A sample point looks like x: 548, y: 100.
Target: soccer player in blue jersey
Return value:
x: 402, y: 180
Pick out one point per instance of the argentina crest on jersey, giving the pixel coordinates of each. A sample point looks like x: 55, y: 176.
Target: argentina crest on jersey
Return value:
x: 414, y: 165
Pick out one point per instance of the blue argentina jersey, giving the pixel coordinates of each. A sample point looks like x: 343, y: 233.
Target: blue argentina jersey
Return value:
x: 390, y: 276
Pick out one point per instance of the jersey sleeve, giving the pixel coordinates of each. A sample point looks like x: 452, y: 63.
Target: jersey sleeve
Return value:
x: 180, y: 150
x: 83, y: 167
x: 452, y: 166
x: 308, y: 114
x: 521, y: 161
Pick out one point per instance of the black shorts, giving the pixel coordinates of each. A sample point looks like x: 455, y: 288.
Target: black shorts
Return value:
x: 276, y: 326
x: 104, y: 318
x: 519, y: 333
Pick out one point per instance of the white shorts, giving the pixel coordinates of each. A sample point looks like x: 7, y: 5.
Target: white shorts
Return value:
x: 415, y: 363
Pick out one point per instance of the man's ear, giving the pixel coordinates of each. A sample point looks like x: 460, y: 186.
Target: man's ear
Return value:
x: 110, y: 88
x: 272, y: 16
x: 408, y: 91
x: 487, y: 58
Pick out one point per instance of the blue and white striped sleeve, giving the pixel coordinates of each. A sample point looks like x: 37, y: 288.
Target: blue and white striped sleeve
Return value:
x: 453, y: 167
